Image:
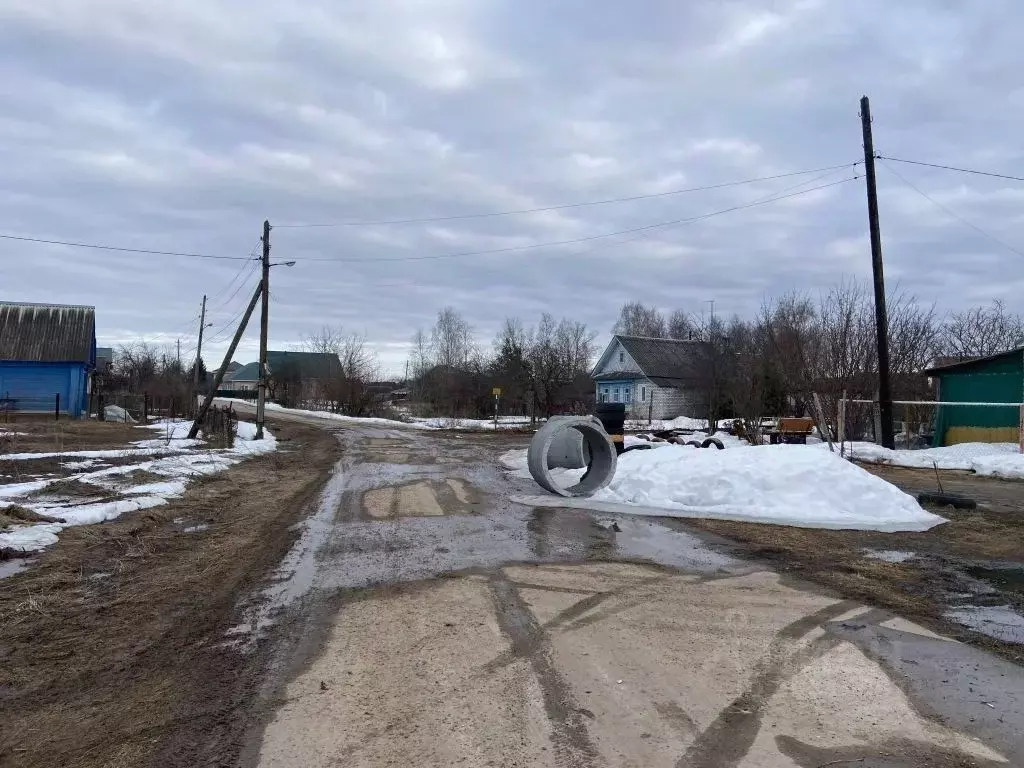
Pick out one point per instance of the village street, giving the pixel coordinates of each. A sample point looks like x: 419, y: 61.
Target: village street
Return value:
x: 424, y: 619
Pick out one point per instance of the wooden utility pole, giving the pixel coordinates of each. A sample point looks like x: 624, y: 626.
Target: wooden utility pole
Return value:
x: 179, y: 353
x: 261, y: 399
x: 199, y: 349
x: 224, y: 365
x: 881, y: 315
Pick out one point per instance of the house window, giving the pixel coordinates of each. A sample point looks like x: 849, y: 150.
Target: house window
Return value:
x: 604, y: 394
x: 616, y: 396
x: 622, y: 357
x: 627, y: 398
x: 643, y: 394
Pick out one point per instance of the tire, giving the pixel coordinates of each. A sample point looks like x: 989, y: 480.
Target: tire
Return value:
x: 712, y: 441
x: 946, y: 500
x: 694, y: 443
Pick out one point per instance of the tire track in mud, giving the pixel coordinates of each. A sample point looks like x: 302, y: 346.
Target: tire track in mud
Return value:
x: 728, y: 739
x: 573, y: 746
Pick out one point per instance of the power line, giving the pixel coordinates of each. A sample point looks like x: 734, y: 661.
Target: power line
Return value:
x: 253, y: 266
x: 97, y: 247
x: 238, y: 274
x: 949, y: 211
x: 952, y: 168
x: 645, y: 228
x: 780, y: 195
x: 564, y: 206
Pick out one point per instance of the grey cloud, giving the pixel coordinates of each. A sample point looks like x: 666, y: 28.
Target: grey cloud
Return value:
x: 182, y: 128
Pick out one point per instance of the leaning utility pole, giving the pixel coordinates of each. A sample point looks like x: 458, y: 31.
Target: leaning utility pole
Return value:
x: 224, y: 365
x: 199, y: 349
x: 261, y: 399
x: 881, y: 316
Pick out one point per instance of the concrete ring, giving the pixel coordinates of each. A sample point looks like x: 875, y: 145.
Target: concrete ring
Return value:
x: 600, y: 447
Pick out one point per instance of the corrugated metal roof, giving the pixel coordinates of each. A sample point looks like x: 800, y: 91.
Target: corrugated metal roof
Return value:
x: 971, y: 362
x: 46, y: 333
x: 666, y: 359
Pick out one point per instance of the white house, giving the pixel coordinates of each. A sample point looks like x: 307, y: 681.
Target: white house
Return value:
x: 655, y: 378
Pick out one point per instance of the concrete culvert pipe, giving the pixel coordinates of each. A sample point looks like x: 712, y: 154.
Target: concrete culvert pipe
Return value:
x: 572, y: 442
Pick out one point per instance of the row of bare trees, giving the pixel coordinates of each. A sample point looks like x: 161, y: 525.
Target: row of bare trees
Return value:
x: 797, y: 345
x: 540, y: 369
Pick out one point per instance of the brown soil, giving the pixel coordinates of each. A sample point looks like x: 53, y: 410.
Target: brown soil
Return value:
x: 916, y: 588
x: 111, y: 646
x: 76, y: 435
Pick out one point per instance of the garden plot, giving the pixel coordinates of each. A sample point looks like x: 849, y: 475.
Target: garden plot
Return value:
x: 145, y: 475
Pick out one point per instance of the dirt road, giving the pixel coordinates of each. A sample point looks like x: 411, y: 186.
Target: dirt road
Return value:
x: 421, y: 619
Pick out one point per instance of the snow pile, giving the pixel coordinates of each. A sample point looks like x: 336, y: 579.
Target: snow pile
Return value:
x: 990, y: 459
x: 782, y: 484
x: 173, y: 457
x: 680, y: 422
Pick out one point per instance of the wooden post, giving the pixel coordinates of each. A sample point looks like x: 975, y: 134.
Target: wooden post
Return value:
x: 261, y: 397
x: 227, y: 359
x: 881, y: 316
x: 1021, y: 429
x: 145, y: 408
x: 841, y: 425
x: 56, y: 409
x: 199, y: 354
x: 822, y: 426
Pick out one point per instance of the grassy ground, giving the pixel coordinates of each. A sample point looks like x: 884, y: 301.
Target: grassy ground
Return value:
x: 33, y: 435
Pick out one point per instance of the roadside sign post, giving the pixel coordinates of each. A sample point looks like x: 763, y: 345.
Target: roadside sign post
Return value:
x: 497, y: 395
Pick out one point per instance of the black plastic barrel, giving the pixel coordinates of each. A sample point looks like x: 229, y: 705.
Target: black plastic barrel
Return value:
x: 613, y: 418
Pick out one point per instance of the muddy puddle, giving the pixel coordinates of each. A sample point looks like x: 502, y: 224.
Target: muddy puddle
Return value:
x: 990, y: 600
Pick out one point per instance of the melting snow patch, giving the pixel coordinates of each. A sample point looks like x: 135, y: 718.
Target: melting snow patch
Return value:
x: 782, y: 484
x: 990, y: 459
x: 176, y: 465
x: 998, y: 621
x: 889, y: 555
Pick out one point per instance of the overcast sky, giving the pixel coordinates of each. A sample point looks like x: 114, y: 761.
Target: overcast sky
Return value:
x: 181, y: 126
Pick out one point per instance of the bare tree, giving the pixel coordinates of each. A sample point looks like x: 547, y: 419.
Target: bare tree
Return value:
x: 637, y: 320
x: 982, y: 331
x: 560, y: 354
x: 681, y: 326
x: 451, y: 340
x: 348, y: 390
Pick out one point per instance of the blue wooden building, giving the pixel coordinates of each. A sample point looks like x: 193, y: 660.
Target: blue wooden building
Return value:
x: 46, y: 351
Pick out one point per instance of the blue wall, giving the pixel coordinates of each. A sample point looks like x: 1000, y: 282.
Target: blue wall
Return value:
x: 35, y: 386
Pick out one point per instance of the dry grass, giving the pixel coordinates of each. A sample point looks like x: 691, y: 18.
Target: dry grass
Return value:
x: 13, y: 514
x: 35, y: 435
x: 72, y: 488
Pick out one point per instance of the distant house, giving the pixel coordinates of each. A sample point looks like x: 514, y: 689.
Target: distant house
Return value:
x: 242, y: 379
x: 104, y: 359
x: 47, y: 357
x: 229, y: 372
x: 297, y: 375
x: 655, y: 378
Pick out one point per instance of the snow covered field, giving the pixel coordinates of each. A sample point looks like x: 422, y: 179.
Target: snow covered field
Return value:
x: 783, y: 484
x: 169, y: 462
x: 988, y: 459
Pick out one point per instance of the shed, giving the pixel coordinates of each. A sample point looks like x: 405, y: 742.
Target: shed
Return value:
x: 47, y: 351
x: 997, y: 378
